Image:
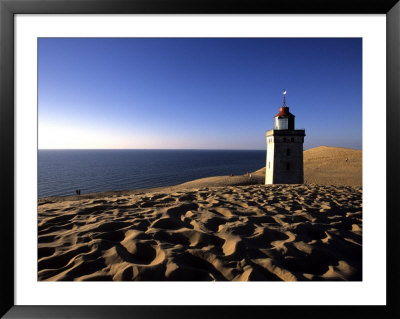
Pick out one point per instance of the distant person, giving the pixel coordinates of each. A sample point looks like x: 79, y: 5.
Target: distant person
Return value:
x: 77, y: 191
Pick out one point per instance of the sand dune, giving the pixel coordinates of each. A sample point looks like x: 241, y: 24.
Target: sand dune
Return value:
x: 326, y: 165
x: 238, y: 180
x: 236, y: 233
x: 333, y: 166
x: 323, y: 165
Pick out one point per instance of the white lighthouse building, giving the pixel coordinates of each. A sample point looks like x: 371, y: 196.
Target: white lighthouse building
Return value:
x: 284, y: 149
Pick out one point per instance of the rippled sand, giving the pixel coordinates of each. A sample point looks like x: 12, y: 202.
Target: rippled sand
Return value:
x: 255, y: 232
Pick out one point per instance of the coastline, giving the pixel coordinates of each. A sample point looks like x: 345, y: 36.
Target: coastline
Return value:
x: 323, y: 165
x: 217, y: 228
x: 257, y: 178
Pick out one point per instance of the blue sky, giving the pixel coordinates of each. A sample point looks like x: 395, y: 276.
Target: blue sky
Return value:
x: 196, y: 93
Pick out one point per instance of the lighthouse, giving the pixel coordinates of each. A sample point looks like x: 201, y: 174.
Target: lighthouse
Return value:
x: 284, y: 164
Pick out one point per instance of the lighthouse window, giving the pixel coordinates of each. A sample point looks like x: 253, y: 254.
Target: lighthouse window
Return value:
x: 287, y: 166
x: 269, y: 164
x: 288, y: 152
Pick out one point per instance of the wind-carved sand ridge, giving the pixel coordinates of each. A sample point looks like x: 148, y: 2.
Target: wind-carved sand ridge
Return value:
x: 254, y: 232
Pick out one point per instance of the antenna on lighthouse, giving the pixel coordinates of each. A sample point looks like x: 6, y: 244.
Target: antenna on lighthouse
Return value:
x: 284, y: 98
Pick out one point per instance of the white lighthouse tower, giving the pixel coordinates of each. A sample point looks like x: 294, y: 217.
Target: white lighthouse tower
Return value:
x: 284, y: 149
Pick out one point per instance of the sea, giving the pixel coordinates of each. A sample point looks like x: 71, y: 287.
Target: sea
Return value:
x: 61, y: 172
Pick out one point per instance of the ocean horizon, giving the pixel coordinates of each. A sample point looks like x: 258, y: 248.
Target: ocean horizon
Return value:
x: 62, y: 171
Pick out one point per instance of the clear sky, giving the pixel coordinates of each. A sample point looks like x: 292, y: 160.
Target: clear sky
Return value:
x: 196, y: 93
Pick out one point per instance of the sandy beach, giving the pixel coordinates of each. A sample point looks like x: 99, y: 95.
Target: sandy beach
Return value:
x: 217, y: 228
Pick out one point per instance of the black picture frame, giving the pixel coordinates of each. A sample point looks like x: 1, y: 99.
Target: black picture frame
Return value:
x: 8, y: 8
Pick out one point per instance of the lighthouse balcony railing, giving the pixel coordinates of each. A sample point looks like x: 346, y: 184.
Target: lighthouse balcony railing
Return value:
x: 286, y: 131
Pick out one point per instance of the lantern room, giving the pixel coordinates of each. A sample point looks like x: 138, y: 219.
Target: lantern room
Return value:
x: 284, y: 120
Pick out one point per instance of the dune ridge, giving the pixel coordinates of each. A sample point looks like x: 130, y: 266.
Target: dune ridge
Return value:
x: 333, y: 166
